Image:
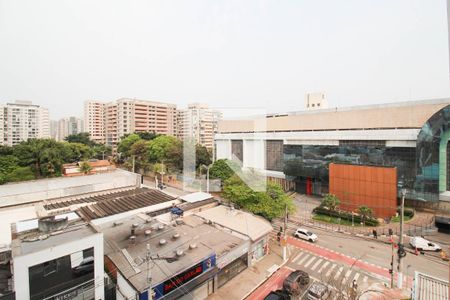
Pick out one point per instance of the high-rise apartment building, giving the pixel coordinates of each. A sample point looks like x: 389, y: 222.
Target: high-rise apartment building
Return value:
x: 198, y: 122
x: 65, y: 127
x: 108, y: 122
x: 94, y: 120
x: 22, y: 120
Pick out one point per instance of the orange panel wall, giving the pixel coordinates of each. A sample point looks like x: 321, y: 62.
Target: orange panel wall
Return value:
x: 375, y: 187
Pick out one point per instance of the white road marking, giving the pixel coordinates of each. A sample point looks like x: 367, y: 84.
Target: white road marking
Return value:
x: 297, y: 257
x: 330, y: 270
x: 303, y: 259
x: 365, y: 279
x: 338, y: 273
x: 356, y: 276
x: 346, y: 277
x: 316, y: 264
x: 323, y: 266
x: 310, y: 261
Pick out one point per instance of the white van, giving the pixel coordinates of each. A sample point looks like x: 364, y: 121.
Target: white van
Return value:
x: 420, y: 244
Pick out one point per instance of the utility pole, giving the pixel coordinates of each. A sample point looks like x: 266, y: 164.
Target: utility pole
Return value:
x: 391, y: 270
x: 400, y: 242
x: 285, y: 234
x: 149, y: 273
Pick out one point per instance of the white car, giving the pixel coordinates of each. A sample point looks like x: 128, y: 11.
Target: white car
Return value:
x: 420, y: 244
x: 305, y: 234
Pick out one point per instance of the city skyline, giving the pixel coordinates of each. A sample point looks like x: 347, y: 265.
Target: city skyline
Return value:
x: 224, y: 53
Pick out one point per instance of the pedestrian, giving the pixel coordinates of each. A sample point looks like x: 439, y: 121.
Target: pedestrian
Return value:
x: 375, y: 235
x: 354, y: 284
x: 278, y: 236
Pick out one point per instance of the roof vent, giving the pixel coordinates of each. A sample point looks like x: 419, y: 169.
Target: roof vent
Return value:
x: 179, y: 221
x: 117, y: 223
x: 160, y: 227
x: 135, y: 225
x: 147, y: 232
x: 162, y: 242
x: 192, y: 246
x: 180, y: 252
x: 148, y: 220
x: 176, y: 236
x: 133, y: 239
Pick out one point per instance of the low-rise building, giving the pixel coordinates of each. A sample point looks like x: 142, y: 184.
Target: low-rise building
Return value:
x: 98, y: 166
x: 58, y: 257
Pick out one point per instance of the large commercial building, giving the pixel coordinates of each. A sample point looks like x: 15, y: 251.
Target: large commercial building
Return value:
x: 107, y: 122
x: 296, y: 148
x: 22, y: 120
x: 64, y: 127
x: 199, y: 123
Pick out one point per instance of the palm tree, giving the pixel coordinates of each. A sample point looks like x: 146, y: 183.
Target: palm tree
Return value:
x: 364, y: 212
x: 85, y: 167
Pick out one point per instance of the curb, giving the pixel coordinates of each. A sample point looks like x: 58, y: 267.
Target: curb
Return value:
x: 264, y: 280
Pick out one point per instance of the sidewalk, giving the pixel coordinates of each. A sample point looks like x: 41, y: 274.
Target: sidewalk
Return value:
x: 248, y: 280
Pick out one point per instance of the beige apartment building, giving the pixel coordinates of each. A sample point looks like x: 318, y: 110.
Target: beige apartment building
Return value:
x: 107, y: 122
x: 94, y: 120
x: 199, y: 122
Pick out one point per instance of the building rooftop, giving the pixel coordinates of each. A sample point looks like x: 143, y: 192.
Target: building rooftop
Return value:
x: 411, y: 114
x: 106, y: 205
x: 193, y: 239
x: 196, y: 197
x: 29, y: 237
x: 244, y: 223
x: 61, y: 187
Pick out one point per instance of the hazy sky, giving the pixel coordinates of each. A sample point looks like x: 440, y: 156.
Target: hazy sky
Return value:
x: 226, y: 53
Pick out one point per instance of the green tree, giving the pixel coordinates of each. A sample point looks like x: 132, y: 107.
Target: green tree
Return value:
x: 221, y: 169
x: 202, y: 156
x: 167, y: 149
x: 82, y: 138
x: 20, y: 174
x: 330, y: 201
x: 140, y: 151
x: 8, y: 163
x: 101, y: 151
x: 365, y: 213
x: 147, y: 135
x: 85, y: 167
x: 125, y: 144
x: 269, y: 204
x: 77, y: 152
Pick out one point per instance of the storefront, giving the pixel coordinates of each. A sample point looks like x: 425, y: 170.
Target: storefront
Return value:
x: 232, y: 269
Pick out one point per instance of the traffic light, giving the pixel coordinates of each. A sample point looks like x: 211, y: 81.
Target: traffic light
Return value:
x: 401, y: 250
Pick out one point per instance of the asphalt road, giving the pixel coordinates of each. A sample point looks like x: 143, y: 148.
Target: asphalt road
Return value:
x: 378, y: 253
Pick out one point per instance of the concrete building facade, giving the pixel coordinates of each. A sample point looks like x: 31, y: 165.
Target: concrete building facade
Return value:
x: 108, y: 122
x: 199, y: 123
x: 315, y: 101
x: 299, y: 146
x: 22, y: 120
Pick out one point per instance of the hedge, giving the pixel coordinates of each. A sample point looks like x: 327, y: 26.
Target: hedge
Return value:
x: 346, y: 216
x: 408, y: 212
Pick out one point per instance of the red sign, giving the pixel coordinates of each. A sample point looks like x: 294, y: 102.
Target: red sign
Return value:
x: 182, y: 278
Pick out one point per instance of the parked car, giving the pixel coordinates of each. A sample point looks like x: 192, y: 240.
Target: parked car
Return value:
x: 278, y: 295
x: 86, y: 266
x: 296, y: 282
x: 422, y: 244
x: 305, y: 234
x: 318, y: 291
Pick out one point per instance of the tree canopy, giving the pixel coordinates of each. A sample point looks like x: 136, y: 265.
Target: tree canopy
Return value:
x: 221, y: 169
x: 269, y: 204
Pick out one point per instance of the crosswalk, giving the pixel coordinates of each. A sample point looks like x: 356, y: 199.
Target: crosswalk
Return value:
x: 328, y: 271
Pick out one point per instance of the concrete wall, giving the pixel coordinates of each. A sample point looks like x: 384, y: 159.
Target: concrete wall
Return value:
x: 22, y: 263
x: 44, y: 189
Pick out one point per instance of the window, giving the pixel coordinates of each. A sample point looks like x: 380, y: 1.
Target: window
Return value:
x: 50, y: 267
